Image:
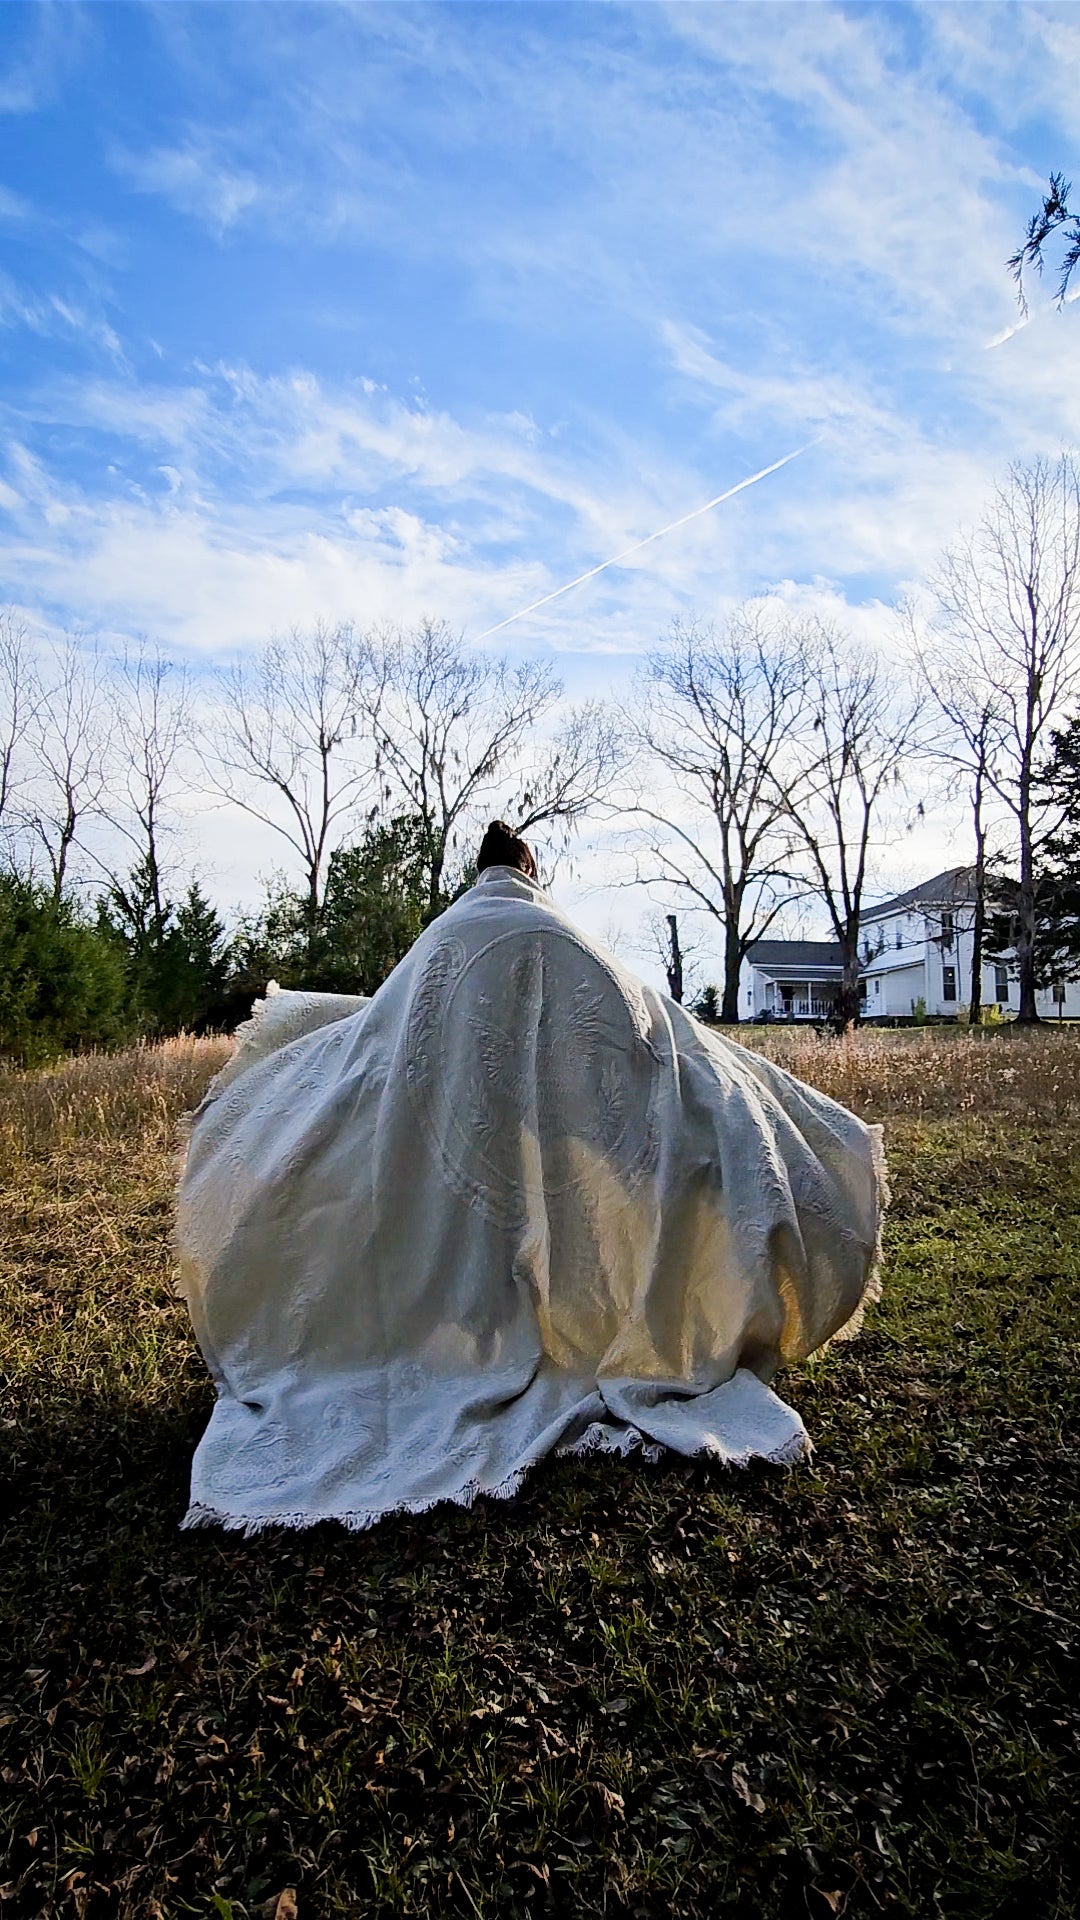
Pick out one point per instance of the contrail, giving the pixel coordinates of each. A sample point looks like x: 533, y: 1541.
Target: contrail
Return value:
x: 617, y: 558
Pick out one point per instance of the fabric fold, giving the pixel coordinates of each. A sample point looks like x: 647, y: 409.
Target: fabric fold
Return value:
x: 516, y: 1204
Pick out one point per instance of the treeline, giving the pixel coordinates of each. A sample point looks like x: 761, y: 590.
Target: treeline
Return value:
x: 756, y: 770
x: 374, y: 758
x: 115, y: 969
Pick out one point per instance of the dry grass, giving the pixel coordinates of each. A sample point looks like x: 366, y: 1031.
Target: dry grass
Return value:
x: 883, y: 1073
x: 846, y: 1689
x: 135, y: 1096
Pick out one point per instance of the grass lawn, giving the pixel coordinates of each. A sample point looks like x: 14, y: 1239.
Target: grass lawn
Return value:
x: 844, y: 1689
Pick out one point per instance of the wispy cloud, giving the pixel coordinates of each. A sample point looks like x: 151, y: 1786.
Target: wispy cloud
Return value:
x: 56, y: 314
x: 13, y: 206
x: 43, y: 42
x: 625, y: 278
x: 194, y: 176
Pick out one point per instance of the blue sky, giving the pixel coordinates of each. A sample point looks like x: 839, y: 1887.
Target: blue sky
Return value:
x: 329, y: 309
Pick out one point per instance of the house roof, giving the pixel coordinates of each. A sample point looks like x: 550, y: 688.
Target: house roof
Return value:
x: 788, y: 958
x: 955, y: 887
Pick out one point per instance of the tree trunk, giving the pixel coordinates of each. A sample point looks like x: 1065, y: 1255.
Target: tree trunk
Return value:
x: 67, y: 835
x: 848, y: 1003
x: 729, y: 1010
x: 1025, y: 942
x: 674, y: 968
x: 978, y: 928
x: 435, y: 874
x: 311, y: 911
x: 1025, y: 931
x: 1025, y: 954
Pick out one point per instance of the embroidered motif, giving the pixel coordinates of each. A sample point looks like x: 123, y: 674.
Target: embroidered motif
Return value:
x: 522, y: 1110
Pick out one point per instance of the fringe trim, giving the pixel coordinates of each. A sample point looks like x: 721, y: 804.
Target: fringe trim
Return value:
x: 600, y: 1439
x: 595, y: 1439
x: 872, y: 1290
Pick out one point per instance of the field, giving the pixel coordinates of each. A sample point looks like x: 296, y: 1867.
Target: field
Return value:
x: 634, y: 1691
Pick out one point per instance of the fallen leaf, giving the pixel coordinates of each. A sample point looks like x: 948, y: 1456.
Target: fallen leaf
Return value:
x: 148, y: 1665
x: 743, y: 1788
x: 286, y: 1908
x: 612, y: 1802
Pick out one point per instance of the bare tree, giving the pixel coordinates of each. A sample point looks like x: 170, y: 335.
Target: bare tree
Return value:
x: 716, y: 714
x: 291, y: 751
x: 459, y: 733
x: 1009, y: 599
x: 566, y: 772
x: 963, y: 742
x: 20, y: 693
x: 68, y: 735
x: 664, y: 942
x: 861, y: 724
x: 152, y: 728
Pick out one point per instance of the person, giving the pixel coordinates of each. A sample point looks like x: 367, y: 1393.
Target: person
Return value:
x: 501, y: 847
x: 517, y: 1203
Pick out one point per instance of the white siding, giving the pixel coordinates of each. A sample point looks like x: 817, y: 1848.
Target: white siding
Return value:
x: 900, y: 988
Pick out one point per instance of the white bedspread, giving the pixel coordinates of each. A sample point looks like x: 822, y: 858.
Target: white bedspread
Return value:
x: 517, y: 1203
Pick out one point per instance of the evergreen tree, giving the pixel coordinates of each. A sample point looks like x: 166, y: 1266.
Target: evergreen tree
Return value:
x: 192, y: 966
x: 272, y: 942
x: 175, y: 957
x: 62, y: 984
x: 707, y: 1007
x: 376, y: 902
x: 1059, y: 878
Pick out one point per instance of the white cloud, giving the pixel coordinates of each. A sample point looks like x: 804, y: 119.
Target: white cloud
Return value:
x: 56, y: 314
x: 195, y: 177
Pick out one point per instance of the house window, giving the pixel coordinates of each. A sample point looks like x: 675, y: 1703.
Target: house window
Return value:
x: 1001, y: 984
x: 947, y: 931
x: 1000, y: 930
x: 899, y: 933
x: 948, y: 983
x: 877, y: 986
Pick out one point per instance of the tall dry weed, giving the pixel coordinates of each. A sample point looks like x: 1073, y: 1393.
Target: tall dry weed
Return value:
x: 136, y: 1096
x: 1031, y: 1077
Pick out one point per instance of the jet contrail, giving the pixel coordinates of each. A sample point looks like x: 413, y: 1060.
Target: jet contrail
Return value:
x: 627, y: 552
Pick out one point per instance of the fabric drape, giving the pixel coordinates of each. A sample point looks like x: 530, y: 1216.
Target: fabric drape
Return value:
x: 516, y: 1203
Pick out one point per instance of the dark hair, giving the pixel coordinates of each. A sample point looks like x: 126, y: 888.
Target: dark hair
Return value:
x: 501, y: 847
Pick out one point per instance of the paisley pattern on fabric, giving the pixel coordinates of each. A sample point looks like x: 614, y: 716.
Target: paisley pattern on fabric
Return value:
x: 515, y: 1204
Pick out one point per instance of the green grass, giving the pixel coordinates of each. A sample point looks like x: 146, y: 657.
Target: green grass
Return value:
x: 633, y: 1691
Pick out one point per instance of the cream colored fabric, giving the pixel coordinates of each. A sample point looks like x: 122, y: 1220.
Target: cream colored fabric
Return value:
x: 516, y: 1203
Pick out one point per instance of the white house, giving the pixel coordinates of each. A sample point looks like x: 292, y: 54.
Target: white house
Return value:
x: 915, y: 956
x: 789, y: 979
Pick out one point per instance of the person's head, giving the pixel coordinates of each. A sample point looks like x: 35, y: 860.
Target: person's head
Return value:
x: 501, y: 847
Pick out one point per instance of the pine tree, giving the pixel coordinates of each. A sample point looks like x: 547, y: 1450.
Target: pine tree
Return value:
x: 1059, y: 877
x: 62, y: 984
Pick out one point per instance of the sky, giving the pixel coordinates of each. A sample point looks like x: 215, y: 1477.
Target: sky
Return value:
x: 386, y: 311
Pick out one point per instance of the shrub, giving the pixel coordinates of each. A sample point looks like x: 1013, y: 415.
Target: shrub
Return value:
x: 62, y: 985
x: 707, y: 1007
